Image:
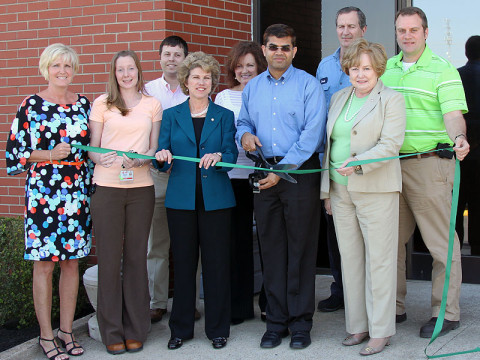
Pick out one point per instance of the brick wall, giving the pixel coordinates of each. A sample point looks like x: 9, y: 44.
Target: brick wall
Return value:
x: 97, y: 29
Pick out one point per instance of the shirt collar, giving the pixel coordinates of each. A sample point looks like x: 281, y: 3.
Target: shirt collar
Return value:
x: 167, y: 85
x: 336, y: 55
x: 423, y: 60
x: 285, y: 76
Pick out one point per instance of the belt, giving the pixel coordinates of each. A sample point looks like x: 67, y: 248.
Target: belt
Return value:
x: 56, y: 162
x: 419, y: 156
x: 275, y: 159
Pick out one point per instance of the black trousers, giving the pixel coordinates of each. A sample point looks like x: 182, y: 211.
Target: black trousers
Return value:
x: 288, y: 220
x: 241, y: 259
x: 209, y: 230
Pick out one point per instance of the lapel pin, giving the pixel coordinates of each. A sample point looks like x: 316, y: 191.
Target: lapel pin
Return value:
x: 212, y: 119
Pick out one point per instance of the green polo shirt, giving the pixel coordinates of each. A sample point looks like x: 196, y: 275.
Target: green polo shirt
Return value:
x: 431, y: 87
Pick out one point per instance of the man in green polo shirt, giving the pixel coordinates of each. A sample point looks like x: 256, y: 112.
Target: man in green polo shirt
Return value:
x: 435, y: 103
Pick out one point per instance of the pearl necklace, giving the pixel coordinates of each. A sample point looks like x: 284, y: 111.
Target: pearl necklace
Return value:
x: 348, y: 108
x: 203, y: 112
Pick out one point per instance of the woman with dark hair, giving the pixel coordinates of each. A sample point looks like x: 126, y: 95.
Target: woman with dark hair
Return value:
x: 244, y: 62
x: 199, y: 199
x: 124, y: 119
x: 57, y: 215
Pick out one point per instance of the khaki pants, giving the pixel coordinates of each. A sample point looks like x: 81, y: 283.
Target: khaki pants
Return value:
x: 426, y: 200
x: 366, y: 226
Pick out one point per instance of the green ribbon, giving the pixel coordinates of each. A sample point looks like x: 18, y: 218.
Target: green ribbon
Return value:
x: 451, y: 236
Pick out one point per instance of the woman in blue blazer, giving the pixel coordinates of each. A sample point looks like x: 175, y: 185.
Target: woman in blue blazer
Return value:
x: 199, y: 199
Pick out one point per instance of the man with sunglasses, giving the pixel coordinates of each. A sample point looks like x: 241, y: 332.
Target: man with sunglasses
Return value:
x: 351, y: 24
x: 284, y: 113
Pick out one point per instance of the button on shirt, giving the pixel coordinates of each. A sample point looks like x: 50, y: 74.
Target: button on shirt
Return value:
x: 288, y: 115
x: 331, y: 76
x: 160, y: 90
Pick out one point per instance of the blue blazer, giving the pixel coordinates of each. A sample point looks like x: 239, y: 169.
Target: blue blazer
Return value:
x: 178, y: 136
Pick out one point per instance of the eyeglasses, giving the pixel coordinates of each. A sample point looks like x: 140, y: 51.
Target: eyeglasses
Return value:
x: 283, y: 48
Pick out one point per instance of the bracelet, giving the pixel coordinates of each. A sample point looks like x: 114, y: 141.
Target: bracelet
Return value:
x: 459, y: 136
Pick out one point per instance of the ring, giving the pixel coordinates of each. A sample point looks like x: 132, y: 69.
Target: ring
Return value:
x: 344, y: 174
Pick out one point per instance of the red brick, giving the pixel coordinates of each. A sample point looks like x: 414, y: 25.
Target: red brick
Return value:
x: 207, y: 30
x: 213, y: 40
x: 128, y: 17
x: 82, y: 3
x: 173, y: 26
x: 209, y: 12
x: 81, y: 40
x: 225, y: 33
x: 93, y: 29
x: 100, y: 86
x: 35, y: 80
x: 152, y: 15
x: 116, y: 47
x: 47, y: 33
x: 94, y: 10
x: 105, y: 19
x: 199, y: 39
x: 17, y: 44
x: 232, y: 25
x: 116, y: 8
x: 36, y: 6
x: 39, y: 24
x: 84, y: 78
x: 104, y: 38
x: 240, y: 17
x: 19, y: 191
x: 216, y: 22
x: 200, y: 20
x: 129, y: 37
x: 193, y: 28
x: 246, y: 9
x: 17, y: 210
x: 217, y: 4
x: 152, y: 36
x: 9, y: 35
x: 83, y: 20
x: 174, y: 5
x: 222, y: 14
x: 191, y: 9
x: 5, y: 17
x: 187, y: 18
x: 13, y: 27
x: 49, y: 14
x: 13, y: 200
x: 90, y: 49
x: 116, y: 28
x: 141, y: 26
x: 232, y: 6
x: 143, y: 46
x: 70, y: 12
x: 141, y: 6
x: 94, y: 68
x: 58, y: 4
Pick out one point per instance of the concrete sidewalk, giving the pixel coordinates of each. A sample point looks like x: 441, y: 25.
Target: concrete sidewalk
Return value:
x: 327, y: 334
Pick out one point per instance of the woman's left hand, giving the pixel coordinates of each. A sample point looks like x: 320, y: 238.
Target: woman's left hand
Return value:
x: 129, y: 163
x: 347, y: 171
x: 208, y: 160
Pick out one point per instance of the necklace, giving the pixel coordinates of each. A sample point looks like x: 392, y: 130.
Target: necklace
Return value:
x: 348, y: 108
x: 203, y: 112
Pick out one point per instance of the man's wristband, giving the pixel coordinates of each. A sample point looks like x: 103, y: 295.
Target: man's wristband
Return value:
x: 459, y: 136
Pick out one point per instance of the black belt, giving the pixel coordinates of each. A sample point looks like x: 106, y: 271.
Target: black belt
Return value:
x: 275, y: 160
x: 420, y: 156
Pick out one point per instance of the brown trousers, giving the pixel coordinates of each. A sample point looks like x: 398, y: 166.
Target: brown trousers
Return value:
x: 122, y: 219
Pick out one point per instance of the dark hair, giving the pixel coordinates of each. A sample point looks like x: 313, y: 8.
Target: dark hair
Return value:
x: 412, y: 10
x: 472, y: 48
x: 362, y: 19
x: 173, y: 41
x: 114, y: 97
x: 279, y: 31
x: 241, y: 49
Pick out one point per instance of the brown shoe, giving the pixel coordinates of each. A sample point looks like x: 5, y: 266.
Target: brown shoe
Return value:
x: 198, y: 316
x: 133, y: 345
x: 116, y: 349
x: 157, y: 314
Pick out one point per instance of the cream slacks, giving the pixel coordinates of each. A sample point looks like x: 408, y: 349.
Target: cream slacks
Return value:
x: 367, y: 233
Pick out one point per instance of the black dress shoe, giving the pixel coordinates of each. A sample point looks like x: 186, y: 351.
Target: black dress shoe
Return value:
x: 175, y: 343
x: 401, y: 318
x: 426, y: 331
x: 333, y: 303
x: 236, y: 321
x: 272, y: 339
x: 219, y: 342
x: 300, y: 339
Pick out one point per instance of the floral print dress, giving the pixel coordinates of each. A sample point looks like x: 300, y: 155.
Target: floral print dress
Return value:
x: 57, y: 204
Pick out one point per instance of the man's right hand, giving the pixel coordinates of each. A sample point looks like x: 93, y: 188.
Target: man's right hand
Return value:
x: 250, y: 142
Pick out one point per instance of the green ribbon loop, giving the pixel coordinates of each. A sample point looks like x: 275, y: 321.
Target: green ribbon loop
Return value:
x: 451, y: 236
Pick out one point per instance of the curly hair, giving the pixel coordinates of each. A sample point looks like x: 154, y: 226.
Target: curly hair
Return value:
x: 241, y: 49
x: 198, y: 60
x: 377, y: 54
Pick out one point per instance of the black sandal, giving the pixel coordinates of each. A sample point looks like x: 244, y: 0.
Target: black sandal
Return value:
x: 74, y: 343
x: 51, y: 357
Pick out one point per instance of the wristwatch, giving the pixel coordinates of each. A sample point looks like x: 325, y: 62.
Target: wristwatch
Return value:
x: 358, y: 169
x: 219, y: 154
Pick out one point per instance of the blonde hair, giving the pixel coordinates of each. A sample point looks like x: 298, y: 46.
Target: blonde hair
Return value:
x: 198, y: 60
x: 375, y: 51
x: 114, y: 97
x: 52, y: 53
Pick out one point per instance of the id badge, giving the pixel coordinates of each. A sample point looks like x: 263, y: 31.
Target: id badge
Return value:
x: 126, y: 176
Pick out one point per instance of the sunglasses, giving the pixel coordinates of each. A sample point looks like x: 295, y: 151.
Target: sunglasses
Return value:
x: 283, y: 48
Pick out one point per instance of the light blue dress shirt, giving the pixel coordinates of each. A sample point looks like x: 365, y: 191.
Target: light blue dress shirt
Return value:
x: 331, y: 76
x: 288, y: 115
